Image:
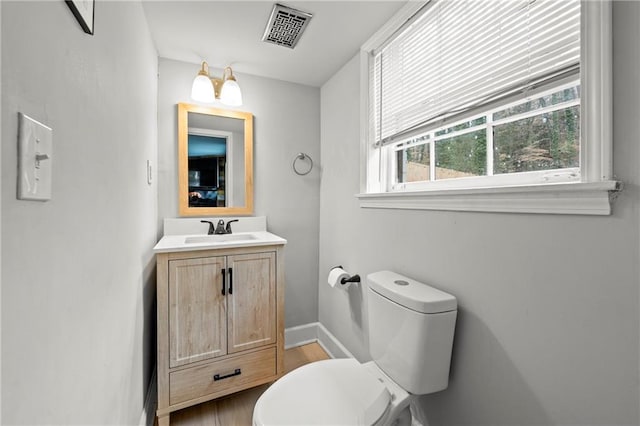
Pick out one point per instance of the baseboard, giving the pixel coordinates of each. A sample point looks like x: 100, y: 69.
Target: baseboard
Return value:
x: 148, y: 416
x: 315, y: 332
x: 300, y: 335
x: 331, y: 344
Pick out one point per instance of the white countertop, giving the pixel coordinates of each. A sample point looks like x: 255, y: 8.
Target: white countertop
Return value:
x: 173, y: 243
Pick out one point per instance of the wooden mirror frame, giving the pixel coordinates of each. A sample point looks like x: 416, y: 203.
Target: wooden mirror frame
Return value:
x: 183, y: 162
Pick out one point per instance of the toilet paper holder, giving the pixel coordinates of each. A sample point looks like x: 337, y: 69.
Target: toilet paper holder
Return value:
x: 352, y: 279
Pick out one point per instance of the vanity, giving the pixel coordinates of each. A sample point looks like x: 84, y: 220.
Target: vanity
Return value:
x: 220, y: 311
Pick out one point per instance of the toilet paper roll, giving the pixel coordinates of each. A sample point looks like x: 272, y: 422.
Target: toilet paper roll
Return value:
x: 335, y: 277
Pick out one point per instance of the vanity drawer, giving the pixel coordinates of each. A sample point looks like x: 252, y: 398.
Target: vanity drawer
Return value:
x: 222, y: 377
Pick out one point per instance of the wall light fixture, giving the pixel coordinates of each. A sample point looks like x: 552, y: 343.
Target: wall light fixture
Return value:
x: 207, y: 89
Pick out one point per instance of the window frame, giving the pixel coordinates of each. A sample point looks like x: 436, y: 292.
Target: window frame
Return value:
x: 591, y: 194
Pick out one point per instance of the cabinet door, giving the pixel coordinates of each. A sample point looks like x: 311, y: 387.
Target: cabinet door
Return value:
x: 197, y: 310
x: 252, y: 301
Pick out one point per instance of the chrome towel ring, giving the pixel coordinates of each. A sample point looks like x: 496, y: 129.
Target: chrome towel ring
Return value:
x: 302, y: 156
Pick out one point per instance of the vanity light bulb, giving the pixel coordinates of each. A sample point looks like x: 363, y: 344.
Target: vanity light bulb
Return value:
x: 202, y: 89
x: 230, y: 93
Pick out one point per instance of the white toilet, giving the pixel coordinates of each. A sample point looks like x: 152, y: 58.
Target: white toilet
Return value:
x: 411, y: 328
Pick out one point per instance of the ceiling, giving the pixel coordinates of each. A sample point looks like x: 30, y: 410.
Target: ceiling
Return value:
x: 229, y: 33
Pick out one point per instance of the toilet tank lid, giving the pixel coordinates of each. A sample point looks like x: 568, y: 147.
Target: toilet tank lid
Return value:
x: 411, y: 293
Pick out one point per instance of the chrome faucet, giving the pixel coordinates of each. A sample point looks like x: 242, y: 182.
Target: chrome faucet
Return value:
x: 219, y: 228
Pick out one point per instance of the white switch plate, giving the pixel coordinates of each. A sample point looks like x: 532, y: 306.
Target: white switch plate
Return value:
x: 35, y: 157
x: 149, y: 172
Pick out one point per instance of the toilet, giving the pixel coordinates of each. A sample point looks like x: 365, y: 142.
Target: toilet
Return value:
x: 411, y: 327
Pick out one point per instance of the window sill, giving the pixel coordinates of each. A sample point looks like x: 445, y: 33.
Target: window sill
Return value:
x: 561, y: 198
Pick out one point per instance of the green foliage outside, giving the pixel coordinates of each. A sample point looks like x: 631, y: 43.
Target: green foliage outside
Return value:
x: 465, y: 153
x: 545, y: 141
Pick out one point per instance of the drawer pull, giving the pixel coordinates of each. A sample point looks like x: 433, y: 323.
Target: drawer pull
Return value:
x: 223, y: 283
x: 217, y: 377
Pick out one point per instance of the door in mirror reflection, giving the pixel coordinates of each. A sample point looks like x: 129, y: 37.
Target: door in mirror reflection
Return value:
x: 210, y: 153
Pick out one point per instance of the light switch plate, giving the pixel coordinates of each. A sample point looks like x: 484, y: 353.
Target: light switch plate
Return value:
x: 35, y: 157
x: 149, y: 172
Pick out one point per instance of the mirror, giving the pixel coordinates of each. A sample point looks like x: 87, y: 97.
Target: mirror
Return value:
x: 215, y: 161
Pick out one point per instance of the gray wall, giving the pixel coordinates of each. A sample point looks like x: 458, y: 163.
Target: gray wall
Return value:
x: 286, y: 122
x: 548, y: 320
x: 0, y: 224
x: 77, y: 274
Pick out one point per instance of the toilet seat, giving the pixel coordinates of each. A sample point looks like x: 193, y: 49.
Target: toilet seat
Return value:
x: 330, y: 392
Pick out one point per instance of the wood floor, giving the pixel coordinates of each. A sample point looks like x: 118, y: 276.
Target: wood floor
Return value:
x: 237, y: 409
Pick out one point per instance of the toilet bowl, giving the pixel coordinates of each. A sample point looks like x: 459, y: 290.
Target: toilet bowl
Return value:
x: 411, y: 328
x: 332, y: 392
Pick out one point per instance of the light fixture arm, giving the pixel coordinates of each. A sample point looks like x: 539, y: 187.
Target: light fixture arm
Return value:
x: 205, y: 69
x: 230, y: 77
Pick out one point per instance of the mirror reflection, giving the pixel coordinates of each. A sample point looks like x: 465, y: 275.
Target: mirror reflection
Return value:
x: 213, y: 145
x: 215, y: 155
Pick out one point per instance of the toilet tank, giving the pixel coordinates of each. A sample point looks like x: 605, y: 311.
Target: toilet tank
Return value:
x: 411, y: 328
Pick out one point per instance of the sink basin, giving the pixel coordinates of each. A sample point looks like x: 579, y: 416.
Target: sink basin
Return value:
x: 222, y: 238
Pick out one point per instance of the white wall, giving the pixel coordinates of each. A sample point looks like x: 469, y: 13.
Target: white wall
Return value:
x: 286, y: 122
x: 78, y: 271
x: 0, y: 224
x: 548, y: 319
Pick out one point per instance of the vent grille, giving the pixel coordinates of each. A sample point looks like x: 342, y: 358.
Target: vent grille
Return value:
x: 285, y: 26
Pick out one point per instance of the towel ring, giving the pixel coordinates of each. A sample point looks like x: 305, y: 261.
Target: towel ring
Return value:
x: 302, y: 156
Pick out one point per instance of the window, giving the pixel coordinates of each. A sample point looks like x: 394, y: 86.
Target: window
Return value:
x: 467, y: 98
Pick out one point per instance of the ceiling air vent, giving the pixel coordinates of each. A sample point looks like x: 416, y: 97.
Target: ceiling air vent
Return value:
x: 285, y: 26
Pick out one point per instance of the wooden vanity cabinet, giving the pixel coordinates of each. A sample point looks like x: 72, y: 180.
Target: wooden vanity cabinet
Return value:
x: 220, y: 323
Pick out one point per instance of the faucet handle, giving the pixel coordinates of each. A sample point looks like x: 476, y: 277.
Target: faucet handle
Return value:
x: 228, y: 230
x: 211, y: 229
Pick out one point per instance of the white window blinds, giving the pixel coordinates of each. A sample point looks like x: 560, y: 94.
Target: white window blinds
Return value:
x: 461, y: 55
